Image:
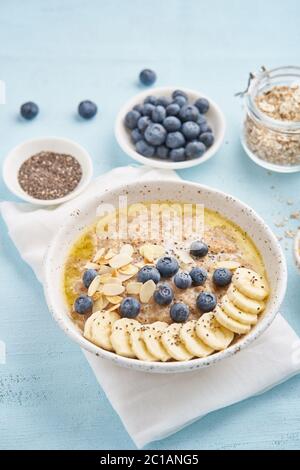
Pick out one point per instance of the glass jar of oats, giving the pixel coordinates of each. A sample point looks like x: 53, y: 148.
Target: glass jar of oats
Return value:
x: 271, y: 127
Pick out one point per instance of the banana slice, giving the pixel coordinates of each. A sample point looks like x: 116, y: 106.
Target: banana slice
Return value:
x: 250, y: 283
x: 232, y: 311
x: 101, y: 329
x: 212, y: 333
x: 229, y: 323
x: 152, y: 337
x: 120, y: 336
x: 191, y: 341
x: 138, y: 344
x: 243, y: 302
x: 171, y: 340
x: 87, y: 332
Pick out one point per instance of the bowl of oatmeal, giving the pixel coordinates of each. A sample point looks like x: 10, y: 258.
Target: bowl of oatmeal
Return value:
x: 179, y: 277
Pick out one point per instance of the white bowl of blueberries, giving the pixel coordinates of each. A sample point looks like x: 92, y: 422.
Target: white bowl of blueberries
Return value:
x: 170, y: 128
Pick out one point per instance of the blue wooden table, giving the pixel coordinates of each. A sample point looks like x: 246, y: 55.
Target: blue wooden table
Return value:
x: 60, y: 52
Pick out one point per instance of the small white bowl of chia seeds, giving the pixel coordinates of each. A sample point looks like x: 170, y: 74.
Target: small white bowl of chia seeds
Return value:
x: 47, y: 171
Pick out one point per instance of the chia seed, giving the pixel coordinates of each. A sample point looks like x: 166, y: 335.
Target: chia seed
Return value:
x: 49, y: 175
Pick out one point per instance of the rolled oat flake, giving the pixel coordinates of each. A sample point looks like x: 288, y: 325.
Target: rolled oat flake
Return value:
x: 49, y: 175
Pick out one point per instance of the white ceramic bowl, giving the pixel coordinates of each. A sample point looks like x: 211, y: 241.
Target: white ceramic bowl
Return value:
x: 230, y: 207
x: 214, y: 116
x: 26, y: 149
x: 297, y: 249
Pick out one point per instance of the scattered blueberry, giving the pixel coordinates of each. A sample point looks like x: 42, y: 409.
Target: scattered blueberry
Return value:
x: 144, y: 148
x: 180, y: 100
x: 148, y: 272
x: 83, y: 304
x: 190, y: 130
x: 177, y: 155
x: 167, y: 266
x: 201, y: 120
x: 189, y: 112
x: 195, y: 149
x: 147, y: 77
x: 172, y: 123
x: 130, y: 307
x: 158, y: 114
x: 207, y: 139
x: 175, y: 140
x: 163, y: 295
x: 222, y: 277
x: 163, y: 101
x: 203, y: 105
x: 139, y: 108
x: 155, y: 134
x: 87, y: 109
x: 148, y: 109
x: 198, y: 275
x: 206, y: 302
x: 151, y: 99
x: 205, y: 128
x: 179, y: 312
x: 131, y: 119
x: 136, y: 135
x: 199, y: 249
x: 162, y: 151
x: 182, y: 280
x: 88, y: 276
x: 173, y: 109
x: 143, y: 123
x: 29, y: 110
x: 179, y: 93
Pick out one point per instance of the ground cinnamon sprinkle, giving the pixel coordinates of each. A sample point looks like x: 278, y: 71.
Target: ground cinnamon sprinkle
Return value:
x: 49, y: 175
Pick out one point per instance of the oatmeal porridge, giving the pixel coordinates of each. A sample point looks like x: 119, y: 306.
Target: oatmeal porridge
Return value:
x: 163, y: 299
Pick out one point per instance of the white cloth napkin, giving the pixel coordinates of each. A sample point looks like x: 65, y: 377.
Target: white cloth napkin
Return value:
x: 153, y: 406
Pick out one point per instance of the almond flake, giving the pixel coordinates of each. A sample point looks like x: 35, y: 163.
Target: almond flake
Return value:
x: 99, y: 254
x: 124, y: 277
x: 113, y: 289
x: 114, y: 299
x: 91, y: 266
x: 129, y: 269
x: 152, y: 252
x: 105, y: 278
x: 120, y: 260
x: 133, y: 287
x: 104, y: 269
x: 93, y: 287
x: 110, y: 254
x: 228, y: 264
x: 112, y: 308
x: 184, y: 257
x: 100, y: 303
x: 127, y: 250
x: 147, y: 290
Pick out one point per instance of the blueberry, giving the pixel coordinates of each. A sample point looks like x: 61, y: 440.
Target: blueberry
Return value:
x: 88, y: 276
x: 188, y: 112
x: 198, y: 249
x: 83, y: 304
x: 148, y: 109
x: 203, y: 105
x: 198, y: 275
x: 182, y: 280
x: 172, y: 123
x: 179, y: 312
x: 144, y: 148
x: 130, y: 307
x: 195, y: 149
x: 201, y: 120
x: 158, y: 114
x: 139, y: 108
x: 147, y: 77
x: 29, y: 110
x: 143, y: 123
x: 175, y: 140
x: 179, y: 93
x: 163, y: 295
x: 173, y: 109
x: 167, y: 266
x: 162, y: 151
x: 155, y: 134
x: 148, y: 272
x: 177, y: 155
x: 206, y: 301
x: 163, y: 101
x: 151, y: 99
x: 180, y: 100
x: 190, y: 130
x: 131, y: 119
x: 205, y: 128
x: 222, y: 277
x: 87, y: 109
x: 136, y: 135
x: 207, y: 139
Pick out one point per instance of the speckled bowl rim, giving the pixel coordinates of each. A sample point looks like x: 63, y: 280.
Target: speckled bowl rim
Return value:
x: 167, y: 367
